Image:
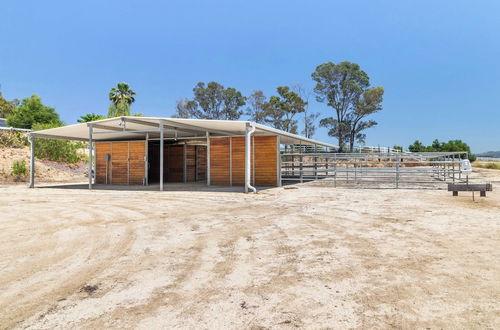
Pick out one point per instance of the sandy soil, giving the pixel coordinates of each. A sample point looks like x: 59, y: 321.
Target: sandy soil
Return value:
x: 45, y: 170
x: 312, y: 257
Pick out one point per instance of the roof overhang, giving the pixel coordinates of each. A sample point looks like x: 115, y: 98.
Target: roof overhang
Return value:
x: 136, y: 128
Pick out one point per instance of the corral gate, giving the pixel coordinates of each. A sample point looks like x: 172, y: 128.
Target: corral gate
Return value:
x: 396, y: 169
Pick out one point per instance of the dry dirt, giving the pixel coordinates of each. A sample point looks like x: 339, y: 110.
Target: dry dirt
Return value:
x: 45, y: 170
x: 312, y: 257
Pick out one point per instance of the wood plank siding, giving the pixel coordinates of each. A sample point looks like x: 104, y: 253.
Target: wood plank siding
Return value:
x: 188, y: 163
x: 219, y: 161
x: 266, y: 160
x: 103, y: 167
x: 126, y: 164
x: 229, y: 167
x: 174, y: 163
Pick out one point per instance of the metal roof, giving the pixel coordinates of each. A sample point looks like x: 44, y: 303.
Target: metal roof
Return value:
x: 135, y: 128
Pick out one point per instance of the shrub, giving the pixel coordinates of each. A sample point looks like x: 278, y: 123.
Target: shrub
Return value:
x: 489, y: 165
x: 13, y: 139
x: 57, y: 150
x: 19, y: 168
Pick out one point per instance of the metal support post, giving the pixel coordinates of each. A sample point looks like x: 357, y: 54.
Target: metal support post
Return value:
x: 90, y: 156
x: 397, y: 170
x: 161, y: 155
x: 32, y: 161
x: 301, y: 168
x: 335, y: 170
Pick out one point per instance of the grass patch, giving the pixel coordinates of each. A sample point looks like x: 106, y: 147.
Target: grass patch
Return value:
x: 489, y: 165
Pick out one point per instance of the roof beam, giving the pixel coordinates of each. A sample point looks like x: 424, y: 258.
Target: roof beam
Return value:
x: 58, y: 137
x: 189, y: 129
x: 200, y: 129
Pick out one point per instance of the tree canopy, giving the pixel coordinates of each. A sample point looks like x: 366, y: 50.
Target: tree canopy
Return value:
x: 212, y: 101
x: 120, y: 109
x: 280, y: 110
x: 7, y: 107
x: 345, y: 88
x: 122, y: 93
x: 31, y: 111
x: 90, y: 117
x: 437, y: 146
x: 121, y: 97
x: 256, y: 110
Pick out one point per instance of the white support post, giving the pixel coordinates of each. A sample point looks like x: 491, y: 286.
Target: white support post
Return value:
x: 32, y: 161
x: 248, y: 159
x: 161, y: 155
x: 208, y: 159
x: 278, y: 162
x: 90, y: 156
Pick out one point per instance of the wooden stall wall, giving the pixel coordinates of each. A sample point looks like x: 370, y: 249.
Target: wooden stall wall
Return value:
x: 228, y: 168
x: 201, y: 163
x: 174, y: 163
x: 219, y: 161
x: 103, y: 168
x: 126, y: 164
x: 266, y: 160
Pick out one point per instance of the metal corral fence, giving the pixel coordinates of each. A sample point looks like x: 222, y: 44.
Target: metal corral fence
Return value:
x: 396, y: 169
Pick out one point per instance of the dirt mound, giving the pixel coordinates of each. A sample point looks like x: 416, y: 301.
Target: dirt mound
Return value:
x: 45, y: 171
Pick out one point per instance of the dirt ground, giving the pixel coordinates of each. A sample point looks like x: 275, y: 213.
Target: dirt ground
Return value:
x: 45, y: 170
x: 311, y: 257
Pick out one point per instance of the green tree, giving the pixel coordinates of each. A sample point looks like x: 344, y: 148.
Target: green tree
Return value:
x: 369, y: 102
x: 7, y: 107
x: 212, y: 101
x: 257, y: 104
x: 436, y: 146
x: 281, y: 110
x: 122, y: 94
x: 345, y: 88
x: 309, y: 117
x: 90, y: 117
x: 32, y: 111
x: 121, y: 97
x: 417, y: 146
x: 120, y: 109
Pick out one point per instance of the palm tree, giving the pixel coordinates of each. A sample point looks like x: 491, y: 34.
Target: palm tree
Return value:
x: 121, y: 94
x: 90, y: 117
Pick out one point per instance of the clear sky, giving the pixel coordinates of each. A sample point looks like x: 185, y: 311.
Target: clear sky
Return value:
x: 437, y: 60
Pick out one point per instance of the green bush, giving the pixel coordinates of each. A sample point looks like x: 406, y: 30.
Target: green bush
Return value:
x: 19, y: 168
x: 436, y: 146
x: 57, y: 150
x: 13, y: 139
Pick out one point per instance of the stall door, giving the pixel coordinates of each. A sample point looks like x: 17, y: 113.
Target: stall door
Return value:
x: 121, y: 163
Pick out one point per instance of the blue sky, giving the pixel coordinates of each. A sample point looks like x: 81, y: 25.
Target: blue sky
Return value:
x: 437, y: 60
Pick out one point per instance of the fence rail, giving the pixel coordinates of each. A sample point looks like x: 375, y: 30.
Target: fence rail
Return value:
x: 360, y: 168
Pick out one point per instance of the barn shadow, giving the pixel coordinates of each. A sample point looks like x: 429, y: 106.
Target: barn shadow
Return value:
x: 153, y: 187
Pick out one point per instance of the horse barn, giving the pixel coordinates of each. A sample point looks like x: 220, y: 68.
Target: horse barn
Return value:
x: 157, y: 151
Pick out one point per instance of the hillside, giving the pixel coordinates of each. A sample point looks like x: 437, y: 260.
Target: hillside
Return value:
x: 46, y: 171
x: 493, y: 154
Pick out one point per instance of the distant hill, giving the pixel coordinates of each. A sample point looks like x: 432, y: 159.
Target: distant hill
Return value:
x: 493, y: 154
